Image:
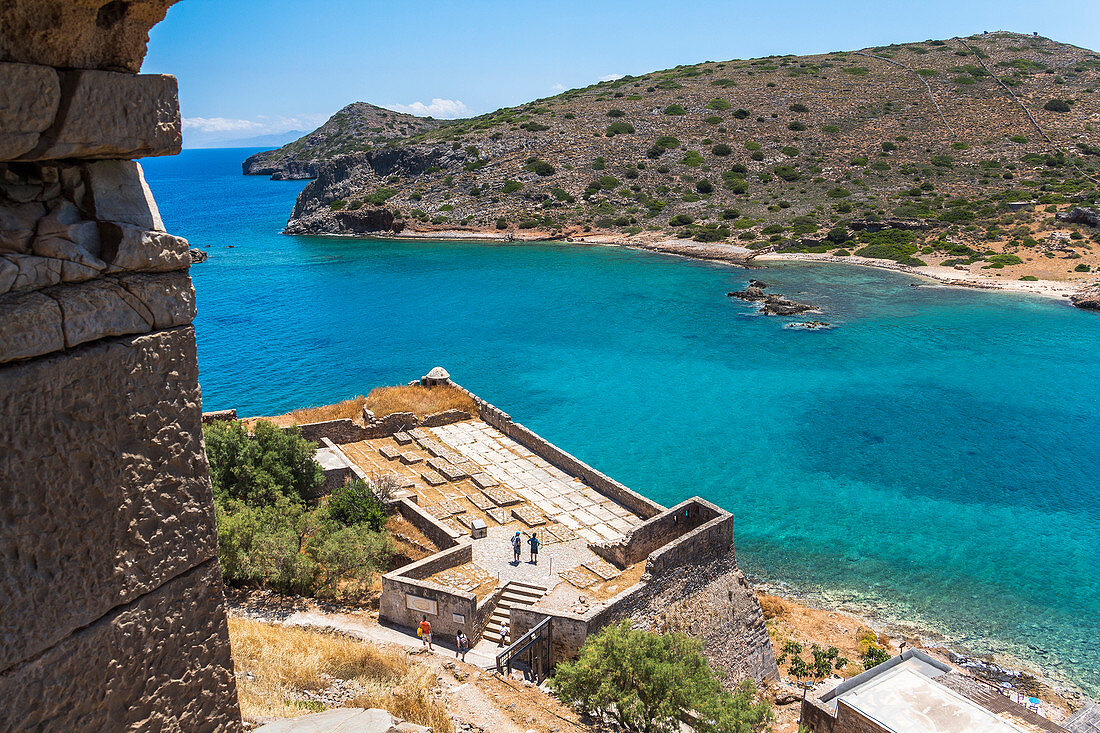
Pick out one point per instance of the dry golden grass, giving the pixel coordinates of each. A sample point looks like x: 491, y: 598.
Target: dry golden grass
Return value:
x: 412, y: 701
x: 276, y: 663
x: 381, y: 401
x: 423, y: 401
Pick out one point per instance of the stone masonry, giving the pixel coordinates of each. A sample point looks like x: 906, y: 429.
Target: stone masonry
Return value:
x: 110, y: 591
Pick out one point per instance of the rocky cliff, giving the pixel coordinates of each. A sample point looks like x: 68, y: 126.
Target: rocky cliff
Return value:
x: 357, y: 128
x: 969, y: 140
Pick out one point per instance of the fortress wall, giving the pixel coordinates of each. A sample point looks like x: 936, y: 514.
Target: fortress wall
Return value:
x: 659, y: 531
x: 109, y: 584
x: 407, y: 597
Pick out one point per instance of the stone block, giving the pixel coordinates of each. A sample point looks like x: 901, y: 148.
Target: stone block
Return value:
x: 109, y: 115
x: 120, y: 194
x: 28, y: 272
x: 18, y: 221
x: 79, y: 34
x: 105, y: 488
x: 29, y: 96
x: 129, y: 248
x: 124, y: 305
x: 158, y: 663
x: 30, y: 324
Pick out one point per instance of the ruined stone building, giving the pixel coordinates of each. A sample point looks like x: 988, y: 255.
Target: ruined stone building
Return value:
x: 111, y: 608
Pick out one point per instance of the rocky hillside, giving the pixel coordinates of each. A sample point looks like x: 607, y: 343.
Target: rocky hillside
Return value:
x: 354, y: 129
x: 937, y: 141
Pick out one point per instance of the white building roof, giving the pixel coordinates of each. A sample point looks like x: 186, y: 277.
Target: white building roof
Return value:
x: 905, y: 699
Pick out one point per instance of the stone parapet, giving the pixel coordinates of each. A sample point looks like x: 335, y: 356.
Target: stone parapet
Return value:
x: 105, y: 483
x: 158, y: 663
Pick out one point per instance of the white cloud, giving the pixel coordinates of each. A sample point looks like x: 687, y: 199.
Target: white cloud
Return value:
x: 447, y: 109
x: 261, y: 125
x: 220, y: 124
x: 611, y: 77
x: 558, y: 87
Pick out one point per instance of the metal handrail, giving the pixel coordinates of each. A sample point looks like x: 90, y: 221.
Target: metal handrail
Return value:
x: 521, y: 644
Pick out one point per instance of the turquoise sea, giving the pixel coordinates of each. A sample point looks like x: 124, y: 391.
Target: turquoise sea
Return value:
x: 935, y: 458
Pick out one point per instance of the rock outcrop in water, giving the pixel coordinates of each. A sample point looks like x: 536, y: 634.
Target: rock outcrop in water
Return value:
x: 1087, y: 298
x: 772, y: 304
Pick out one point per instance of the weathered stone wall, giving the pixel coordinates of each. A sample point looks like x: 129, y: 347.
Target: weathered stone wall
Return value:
x: 440, y: 535
x: 338, y: 431
x: 110, y: 591
x: 658, y: 531
x: 455, y: 610
x: 816, y: 717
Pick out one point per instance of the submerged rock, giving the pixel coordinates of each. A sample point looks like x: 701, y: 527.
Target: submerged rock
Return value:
x: 777, y: 305
x: 197, y: 255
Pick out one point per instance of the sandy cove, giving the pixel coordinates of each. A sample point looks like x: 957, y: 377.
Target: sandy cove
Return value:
x: 744, y: 257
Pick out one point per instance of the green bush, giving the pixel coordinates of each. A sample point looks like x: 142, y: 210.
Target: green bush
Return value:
x: 1057, y: 105
x: 1018, y: 139
x: 712, y: 119
x: 692, y: 158
x: 608, y: 183
x: 680, y: 220
x: 356, y: 503
x: 534, y: 126
x: 511, y: 186
x: 675, y: 109
x: 757, y: 155
x: 260, y: 468
x: 616, y: 113
x: 842, y: 253
x: 858, y: 161
x: 721, y: 150
x: 796, y: 126
x: 752, y: 145
x: 889, y: 244
x: 942, y: 161
x: 620, y: 128
x: 718, y: 104
x: 1029, y: 278
x: 645, y: 681
x: 831, y: 129
x: 1080, y: 268
x: 337, y: 205
x: 502, y: 223
x: 798, y: 107
x: 562, y: 195
x: 880, y: 165
x: 789, y: 150
x: 704, y: 186
x: 787, y: 172
x: 539, y: 167
x: 740, y: 113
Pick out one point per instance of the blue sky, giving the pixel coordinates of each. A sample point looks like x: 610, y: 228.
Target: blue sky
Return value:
x: 248, y: 68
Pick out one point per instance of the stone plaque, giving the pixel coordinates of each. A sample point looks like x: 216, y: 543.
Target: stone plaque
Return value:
x: 423, y: 605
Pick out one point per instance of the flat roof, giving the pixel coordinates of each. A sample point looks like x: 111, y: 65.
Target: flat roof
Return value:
x: 905, y: 700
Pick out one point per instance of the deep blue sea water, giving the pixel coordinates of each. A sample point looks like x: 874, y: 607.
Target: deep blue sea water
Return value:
x: 934, y: 458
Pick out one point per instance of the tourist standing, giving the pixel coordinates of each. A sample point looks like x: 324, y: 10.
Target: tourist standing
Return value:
x: 516, y: 545
x: 463, y: 645
x: 425, y: 630
x: 503, y: 632
x: 533, y: 541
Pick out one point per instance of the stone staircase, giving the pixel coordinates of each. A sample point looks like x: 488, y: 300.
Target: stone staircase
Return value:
x: 516, y: 593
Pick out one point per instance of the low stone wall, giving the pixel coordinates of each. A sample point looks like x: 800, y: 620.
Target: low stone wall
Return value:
x: 816, y: 717
x: 712, y: 540
x: 658, y: 531
x: 431, y: 527
x: 554, y: 455
x: 217, y: 415
x: 338, y: 431
x: 407, y: 597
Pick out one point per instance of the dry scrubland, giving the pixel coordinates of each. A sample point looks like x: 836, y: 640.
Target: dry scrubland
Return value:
x: 383, y: 401
x: 285, y: 671
x: 790, y: 153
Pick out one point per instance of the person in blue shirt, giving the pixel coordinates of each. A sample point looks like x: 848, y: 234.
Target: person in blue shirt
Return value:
x: 534, y: 542
x: 516, y: 546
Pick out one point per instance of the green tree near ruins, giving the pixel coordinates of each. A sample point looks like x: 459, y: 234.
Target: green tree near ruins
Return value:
x: 823, y: 662
x: 647, y: 681
x: 271, y: 535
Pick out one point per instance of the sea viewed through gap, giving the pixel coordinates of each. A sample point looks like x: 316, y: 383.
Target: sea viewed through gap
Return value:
x: 932, y: 459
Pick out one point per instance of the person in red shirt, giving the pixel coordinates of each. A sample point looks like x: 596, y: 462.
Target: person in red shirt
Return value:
x: 426, y: 633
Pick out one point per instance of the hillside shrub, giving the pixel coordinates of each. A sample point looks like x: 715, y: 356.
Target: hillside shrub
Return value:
x: 675, y: 109
x: 692, y: 158
x: 534, y: 126
x: 740, y: 113
x: 721, y: 150
x: 942, y: 161
x: 616, y: 113
x: 712, y: 120
x: 1080, y: 268
x: 356, y: 503
x: 680, y: 220
x: 337, y: 205
x: 798, y: 107
x: 539, y: 167
x: 718, y: 104
x: 757, y: 155
x: 260, y: 468
x: 998, y: 261
x: 889, y: 244
x: 842, y: 253
x: 787, y: 172
x: 789, y: 150
x: 511, y: 186
x: 880, y: 165
x: 704, y: 186
x: 645, y: 681
x: 1057, y: 105
x: 1018, y: 139
x: 620, y: 128
x: 752, y: 145
x: 562, y: 195
x: 796, y: 126
x: 608, y: 183
x: 502, y: 223
x: 830, y: 129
